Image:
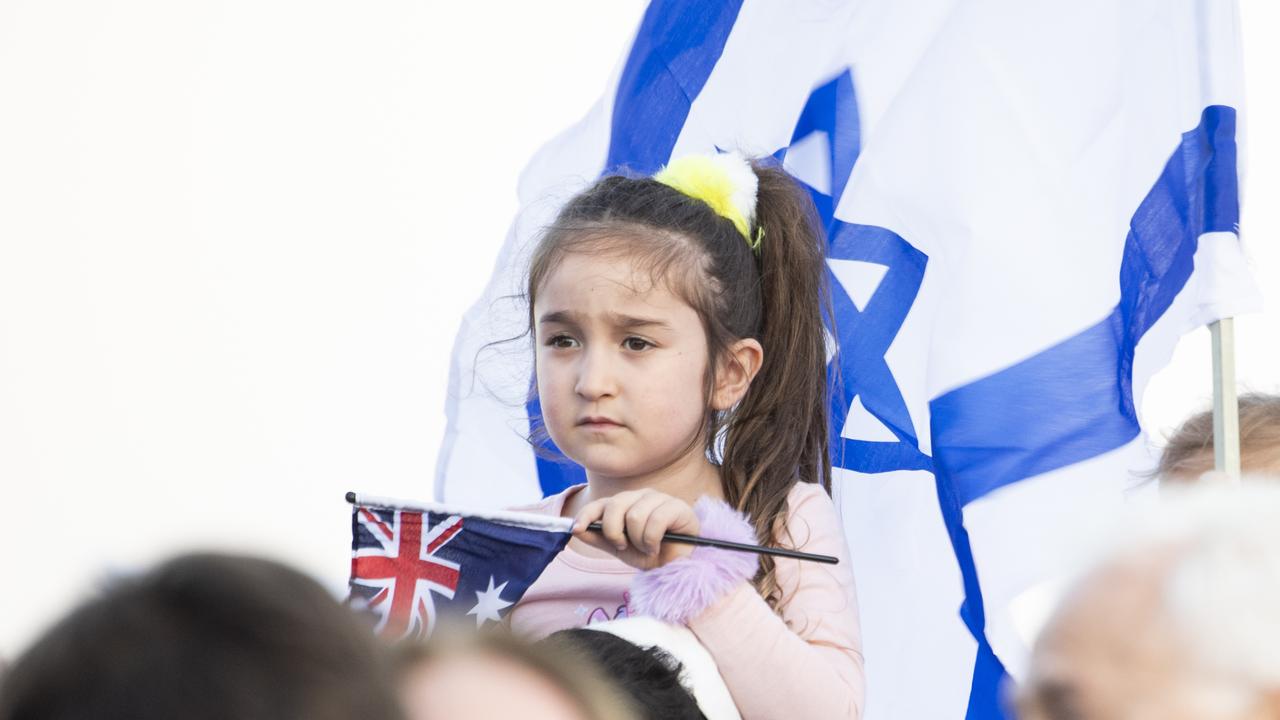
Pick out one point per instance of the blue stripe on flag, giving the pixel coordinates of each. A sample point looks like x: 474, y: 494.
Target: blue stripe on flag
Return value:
x: 997, y: 430
x: 676, y: 47
x: 984, y: 691
x: 988, y: 672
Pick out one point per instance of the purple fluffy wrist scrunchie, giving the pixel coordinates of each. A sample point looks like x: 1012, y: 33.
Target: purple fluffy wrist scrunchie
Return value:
x: 682, y: 589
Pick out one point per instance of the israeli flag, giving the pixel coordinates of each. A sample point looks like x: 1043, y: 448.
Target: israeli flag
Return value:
x: 1027, y: 204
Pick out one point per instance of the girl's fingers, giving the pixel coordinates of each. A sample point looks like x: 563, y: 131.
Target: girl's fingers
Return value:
x: 637, y: 520
x: 668, y: 515
x: 632, y: 525
x: 593, y: 512
x: 613, y: 522
x: 589, y: 513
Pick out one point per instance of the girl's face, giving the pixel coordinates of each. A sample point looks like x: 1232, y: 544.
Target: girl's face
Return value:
x: 621, y: 363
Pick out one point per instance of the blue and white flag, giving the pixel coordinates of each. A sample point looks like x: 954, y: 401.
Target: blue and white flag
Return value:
x: 1027, y: 204
x: 412, y: 563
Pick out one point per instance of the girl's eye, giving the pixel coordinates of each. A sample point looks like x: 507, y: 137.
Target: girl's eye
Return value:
x: 561, y: 341
x: 636, y: 344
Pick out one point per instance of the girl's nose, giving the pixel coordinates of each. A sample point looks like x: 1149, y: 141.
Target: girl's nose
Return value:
x: 595, y: 376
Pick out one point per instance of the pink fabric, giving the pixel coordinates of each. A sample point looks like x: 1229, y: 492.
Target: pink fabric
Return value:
x: 683, y: 589
x: 805, y: 660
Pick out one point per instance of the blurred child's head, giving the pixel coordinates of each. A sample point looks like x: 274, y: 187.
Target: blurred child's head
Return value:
x: 204, y: 637
x: 1189, y: 452
x: 664, y: 327
x: 465, y: 674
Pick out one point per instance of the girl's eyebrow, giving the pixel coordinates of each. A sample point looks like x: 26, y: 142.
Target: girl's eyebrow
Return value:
x: 631, y: 322
x: 626, y: 322
x: 562, y: 317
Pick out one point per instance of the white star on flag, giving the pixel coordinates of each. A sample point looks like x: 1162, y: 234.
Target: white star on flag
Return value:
x: 489, y: 603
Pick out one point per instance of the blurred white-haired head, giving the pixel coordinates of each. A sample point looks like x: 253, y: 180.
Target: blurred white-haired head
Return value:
x: 1180, y: 620
x: 1224, y: 583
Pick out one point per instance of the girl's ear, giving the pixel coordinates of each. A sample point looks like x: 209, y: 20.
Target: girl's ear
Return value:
x: 735, y: 371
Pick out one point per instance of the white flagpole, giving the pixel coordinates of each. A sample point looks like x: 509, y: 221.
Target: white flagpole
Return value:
x: 1226, y: 412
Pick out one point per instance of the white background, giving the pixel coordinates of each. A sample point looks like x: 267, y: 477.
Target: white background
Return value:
x: 236, y: 239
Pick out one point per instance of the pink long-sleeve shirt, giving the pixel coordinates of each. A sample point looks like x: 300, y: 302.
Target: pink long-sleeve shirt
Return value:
x: 804, y: 661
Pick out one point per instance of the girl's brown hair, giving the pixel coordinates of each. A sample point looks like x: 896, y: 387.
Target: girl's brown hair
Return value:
x: 778, y: 434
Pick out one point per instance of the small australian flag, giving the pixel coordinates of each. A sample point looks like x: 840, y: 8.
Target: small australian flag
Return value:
x: 413, y: 562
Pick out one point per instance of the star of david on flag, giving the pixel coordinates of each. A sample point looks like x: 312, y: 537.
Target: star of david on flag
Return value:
x: 413, y: 563
x: 1026, y: 205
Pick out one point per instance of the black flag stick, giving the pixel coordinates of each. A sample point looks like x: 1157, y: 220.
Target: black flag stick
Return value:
x: 729, y: 545
x: 726, y: 544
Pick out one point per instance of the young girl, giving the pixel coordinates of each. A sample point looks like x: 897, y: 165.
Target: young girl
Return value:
x: 681, y: 360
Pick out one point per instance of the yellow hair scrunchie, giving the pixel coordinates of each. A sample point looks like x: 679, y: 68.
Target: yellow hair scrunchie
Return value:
x: 724, y: 181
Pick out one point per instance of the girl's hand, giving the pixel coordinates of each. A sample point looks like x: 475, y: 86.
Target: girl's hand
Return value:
x: 634, y: 523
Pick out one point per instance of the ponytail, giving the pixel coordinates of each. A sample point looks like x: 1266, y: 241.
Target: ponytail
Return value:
x: 778, y: 434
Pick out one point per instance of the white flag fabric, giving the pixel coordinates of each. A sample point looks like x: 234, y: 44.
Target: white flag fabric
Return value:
x: 1027, y: 204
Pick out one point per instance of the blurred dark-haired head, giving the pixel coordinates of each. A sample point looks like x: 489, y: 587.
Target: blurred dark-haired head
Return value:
x: 649, y: 676
x: 203, y: 636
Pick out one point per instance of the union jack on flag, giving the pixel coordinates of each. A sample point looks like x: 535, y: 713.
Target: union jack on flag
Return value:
x: 411, y: 562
